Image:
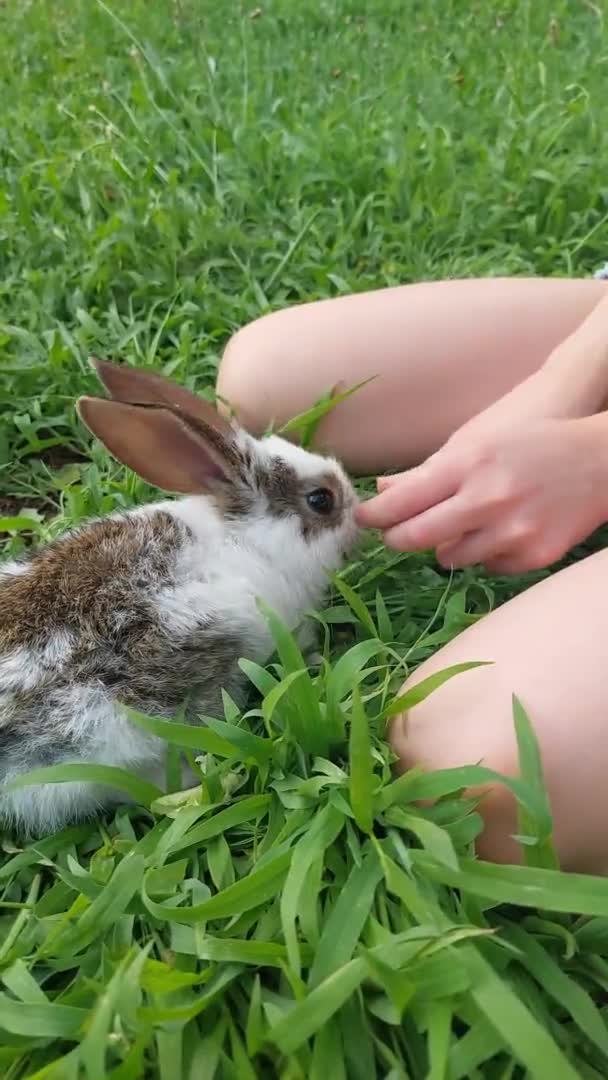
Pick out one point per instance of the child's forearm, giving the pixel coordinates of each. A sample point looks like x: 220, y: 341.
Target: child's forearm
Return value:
x: 580, y: 362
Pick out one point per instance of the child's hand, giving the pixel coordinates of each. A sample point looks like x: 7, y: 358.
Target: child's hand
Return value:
x: 515, y: 498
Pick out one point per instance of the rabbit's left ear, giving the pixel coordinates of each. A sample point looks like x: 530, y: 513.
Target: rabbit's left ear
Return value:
x: 134, y: 386
x: 162, y: 447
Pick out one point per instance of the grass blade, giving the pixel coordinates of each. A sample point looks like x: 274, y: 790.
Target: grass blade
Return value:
x: 348, y: 671
x: 542, y: 852
x: 439, y: 1034
x: 422, y: 690
x: 183, y: 735
x: 48, y: 1021
x: 531, y: 1044
x: 527, y: 886
x: 419, y: 786
x: 248, y: 809
x: 140, y: 791
x: 306, y: 423
x: 328, y: 1054
x: 305, y: 719
x: 307, y: 1017
x: 433, y: 839
x: 362, y: 782
x: 358, y: 606
x: 103, y: 912
x: 344, y: 925
x: 560, y: 986
x: 325, y: 827
x: 249, y: 892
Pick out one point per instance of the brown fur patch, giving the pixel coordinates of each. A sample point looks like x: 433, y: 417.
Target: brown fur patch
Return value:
x: 87, y: 577
x: 98, y: 585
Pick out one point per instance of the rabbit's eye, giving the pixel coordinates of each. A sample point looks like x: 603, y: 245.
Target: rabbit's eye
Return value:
x: 321, y: 501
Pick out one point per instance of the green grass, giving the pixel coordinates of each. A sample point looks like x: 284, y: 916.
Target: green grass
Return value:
x: 170, y: 171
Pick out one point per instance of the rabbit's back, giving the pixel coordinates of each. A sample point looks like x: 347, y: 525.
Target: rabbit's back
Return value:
x: 106, y: 614
x: 86, y: 581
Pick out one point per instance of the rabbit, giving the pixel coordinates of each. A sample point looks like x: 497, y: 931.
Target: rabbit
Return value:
x: 147, y: 607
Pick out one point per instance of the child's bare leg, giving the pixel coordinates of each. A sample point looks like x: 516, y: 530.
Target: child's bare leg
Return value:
x: 549, y: 647
x: 442, y: 352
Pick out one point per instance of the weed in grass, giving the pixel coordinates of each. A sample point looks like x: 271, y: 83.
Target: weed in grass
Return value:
x: 170, y: 171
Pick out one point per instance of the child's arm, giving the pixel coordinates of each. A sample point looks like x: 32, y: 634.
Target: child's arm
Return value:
x: 579, y: 365
x: 522, y: 482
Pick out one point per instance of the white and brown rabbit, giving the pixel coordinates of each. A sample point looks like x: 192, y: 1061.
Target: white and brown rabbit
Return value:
x: 149, y: 606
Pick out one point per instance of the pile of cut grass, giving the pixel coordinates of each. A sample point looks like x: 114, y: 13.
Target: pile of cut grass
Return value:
x: 170, y: 171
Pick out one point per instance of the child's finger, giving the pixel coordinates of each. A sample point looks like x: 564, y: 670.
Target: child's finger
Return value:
x: 410, y: 495
x: 384, y: 482
x: 446, y: 523
x: 473, y: 548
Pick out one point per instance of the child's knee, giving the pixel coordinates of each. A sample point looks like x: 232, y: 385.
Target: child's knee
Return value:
x: 244, y: 377
x: 255, y: 376
x: 270, y: 370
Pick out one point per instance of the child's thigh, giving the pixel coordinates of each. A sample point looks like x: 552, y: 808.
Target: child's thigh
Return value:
x: 549, y: 647
x: 437, y: 353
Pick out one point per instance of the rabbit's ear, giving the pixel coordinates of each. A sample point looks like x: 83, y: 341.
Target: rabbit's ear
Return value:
x: 133, y: 386
x: 161, y: 446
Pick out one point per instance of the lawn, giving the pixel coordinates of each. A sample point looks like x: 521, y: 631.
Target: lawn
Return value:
x: 171, y: 170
